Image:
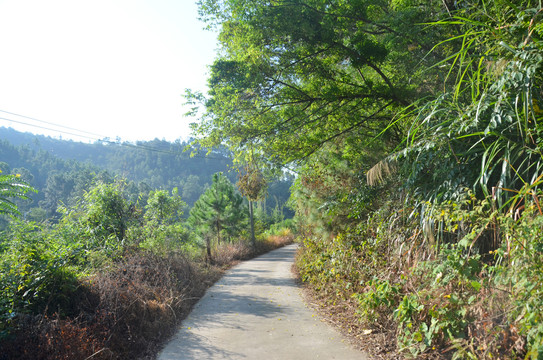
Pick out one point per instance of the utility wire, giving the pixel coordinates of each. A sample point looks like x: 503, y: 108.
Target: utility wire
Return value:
x: 50, y: 123
x: 45, y: 128
x: 102, y: 139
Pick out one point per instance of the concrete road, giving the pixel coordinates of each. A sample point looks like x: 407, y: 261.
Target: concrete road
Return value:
x: 256, y: 312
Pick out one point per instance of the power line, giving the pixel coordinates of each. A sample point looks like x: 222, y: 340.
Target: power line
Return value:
x: 103, y: 139
x: 45, y: 128
x: 50, y: 123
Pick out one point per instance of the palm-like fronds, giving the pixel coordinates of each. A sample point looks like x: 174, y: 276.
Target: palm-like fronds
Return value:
x: 484, y: 133
x: 12, y: 187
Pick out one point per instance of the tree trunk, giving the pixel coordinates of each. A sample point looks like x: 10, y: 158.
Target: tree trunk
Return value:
x: 253, y: 241
x: 208, y: 248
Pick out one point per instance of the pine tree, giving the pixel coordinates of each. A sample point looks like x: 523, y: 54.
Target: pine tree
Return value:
x: 218, y: 210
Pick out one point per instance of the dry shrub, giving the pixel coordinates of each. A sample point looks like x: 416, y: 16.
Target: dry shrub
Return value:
x: 492, y: 334
x: 145, y: 296
x: 272, y: 242
x: 40, y: 337
x: 227, y: 254
x: 126, y: 312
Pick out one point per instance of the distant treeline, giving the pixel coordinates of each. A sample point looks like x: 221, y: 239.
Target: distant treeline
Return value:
x: 61, y: 170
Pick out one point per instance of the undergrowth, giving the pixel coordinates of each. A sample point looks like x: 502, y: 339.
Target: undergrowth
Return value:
x: 124, y: 311
x: 454, y: 293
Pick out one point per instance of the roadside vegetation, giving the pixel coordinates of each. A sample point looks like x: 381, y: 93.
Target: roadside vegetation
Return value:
x: 112, y: 279
x: 414, y: 130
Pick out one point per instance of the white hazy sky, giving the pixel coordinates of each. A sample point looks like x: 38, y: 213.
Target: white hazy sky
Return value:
x: 116, y: 68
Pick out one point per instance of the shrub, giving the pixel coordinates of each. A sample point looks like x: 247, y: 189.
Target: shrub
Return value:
x: 124, y: 312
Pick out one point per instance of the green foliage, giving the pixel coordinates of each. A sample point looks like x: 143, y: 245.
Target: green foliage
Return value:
x: 526, y: 277
x: 163, y: 239
x: 378, y: 294
x: 331, y: 194
x: 219, y: 210
x: 346, y: 263
x: 103, y: 212
x: 294, y: 76
x: 443, y: 255
x: 163, y: 207
x: 438, y: 310
x: 448, y: 294
x: 445, y: 98
x: 282, y: 227
x: 115, y: 253
x: 481, y: 133
x: 37, y: 273
x: 11, y: 188
x: 162, y: 232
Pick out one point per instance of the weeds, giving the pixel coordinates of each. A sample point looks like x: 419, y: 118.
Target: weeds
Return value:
x: 459, y: 301
x: 125, y: 311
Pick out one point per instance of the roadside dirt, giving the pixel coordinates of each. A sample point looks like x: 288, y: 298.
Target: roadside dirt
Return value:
x: 378, y: 345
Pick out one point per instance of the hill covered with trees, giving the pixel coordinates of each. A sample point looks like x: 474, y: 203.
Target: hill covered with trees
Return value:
x: 61, y: 169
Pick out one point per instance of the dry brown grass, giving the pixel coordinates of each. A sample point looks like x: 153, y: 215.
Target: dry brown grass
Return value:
x: 128, y: 311
x: 275, y: 241
x: 227, y: 254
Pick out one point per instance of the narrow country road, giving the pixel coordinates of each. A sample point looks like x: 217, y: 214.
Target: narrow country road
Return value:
x: 256, y: 312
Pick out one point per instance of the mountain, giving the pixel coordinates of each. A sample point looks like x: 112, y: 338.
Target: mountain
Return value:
x: 62, y: 169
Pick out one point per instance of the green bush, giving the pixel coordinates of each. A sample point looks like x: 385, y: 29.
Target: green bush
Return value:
x: 37, y: 274
x: 526, y: 279
x: 437, y: 311
x: 378, y: 297
x: 163, y: 239
x: 280, y: 227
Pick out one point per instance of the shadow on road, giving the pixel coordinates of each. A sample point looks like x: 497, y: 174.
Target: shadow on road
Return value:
x: 195, y: 346
x: 255, y: 312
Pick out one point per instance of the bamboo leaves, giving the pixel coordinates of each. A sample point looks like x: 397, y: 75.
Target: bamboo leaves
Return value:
x: 483, y: 129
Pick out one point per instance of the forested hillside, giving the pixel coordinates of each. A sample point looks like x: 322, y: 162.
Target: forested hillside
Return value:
x: 415, y: 131
x: 61, y: 169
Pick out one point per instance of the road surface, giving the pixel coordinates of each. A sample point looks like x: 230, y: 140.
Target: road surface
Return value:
x: 256, y: 312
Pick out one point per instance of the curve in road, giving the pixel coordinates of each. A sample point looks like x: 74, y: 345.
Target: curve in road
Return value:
x: 256, y: 312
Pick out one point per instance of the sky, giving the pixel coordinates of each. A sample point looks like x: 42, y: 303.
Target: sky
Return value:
x: 110, y: 68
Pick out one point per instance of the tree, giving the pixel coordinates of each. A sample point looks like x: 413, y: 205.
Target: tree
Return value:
x: 295, y: 75
x: 26, y: 176
x: 252, y: 184
x: 163, y: 207
x: 482, y: 132
x: 218, y: 209
x: 4, y: 167
x: 104, y: 211
x: 58, y: 188
x: 192, y: 189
